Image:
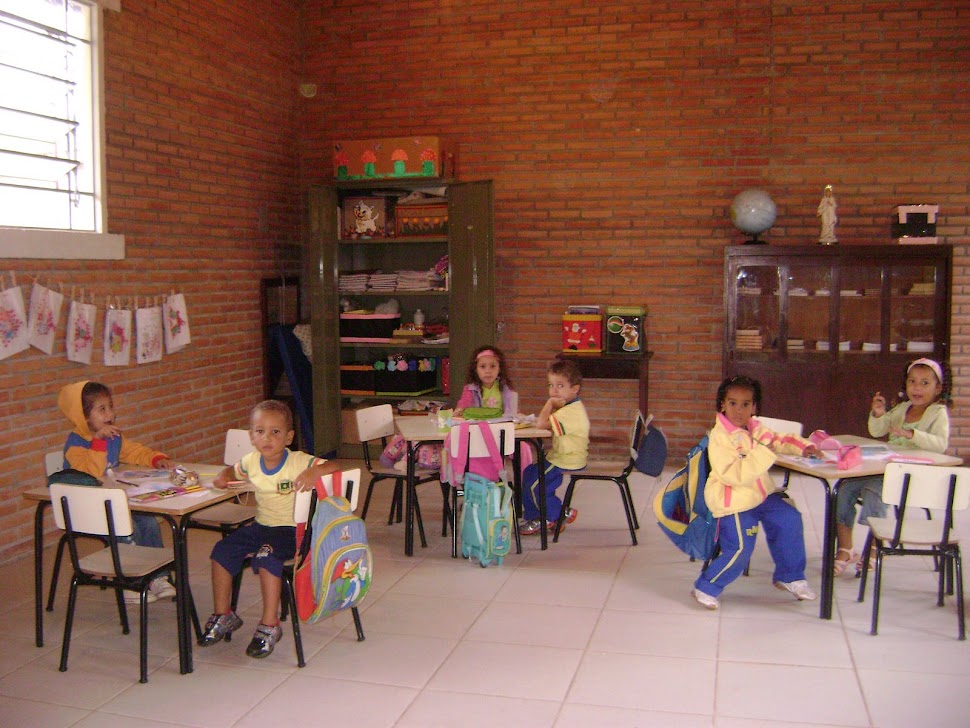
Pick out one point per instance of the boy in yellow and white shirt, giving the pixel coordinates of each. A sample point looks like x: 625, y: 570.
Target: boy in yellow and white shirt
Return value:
x: 565, y: 414
x: 276, y: 473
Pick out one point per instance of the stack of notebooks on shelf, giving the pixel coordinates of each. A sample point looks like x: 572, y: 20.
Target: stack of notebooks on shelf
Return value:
x: 797, y: 292
x: 748, y: 340
x: 921, y: 346
x: 353, y: 282
x: 871, y: 346
x: 796, y: 344
x: 382, y: 282
x: 584, y: 310
x: 418, y: 280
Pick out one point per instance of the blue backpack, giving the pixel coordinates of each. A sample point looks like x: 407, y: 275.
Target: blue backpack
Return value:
x: 335, y: 567
x: 486, y: 520
x: 681, y: 511
x: 651, y: 454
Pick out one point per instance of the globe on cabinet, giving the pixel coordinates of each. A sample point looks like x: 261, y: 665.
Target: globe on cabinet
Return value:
x: 753, y: 212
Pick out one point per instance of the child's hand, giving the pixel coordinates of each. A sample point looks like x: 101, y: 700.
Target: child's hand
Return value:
x: 108, y: 432
x: 901, y: 432
x: 556, y: 403
x: 811, y: 452
x: 165, y: 464
x: 878, y: 405
x: 225, y: 476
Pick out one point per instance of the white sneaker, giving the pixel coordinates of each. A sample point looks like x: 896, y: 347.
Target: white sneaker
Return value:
x: 133, y: 597
x: 799, y: 588
x: 162, y: 588
x: 705, y: 600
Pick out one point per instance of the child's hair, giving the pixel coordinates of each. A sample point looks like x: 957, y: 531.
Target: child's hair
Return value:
x: 568, y: 369
x: 945, y: 382
x: 273, y: 405
x: 503, y: 374
x: 91, y: 392
x: 741, y: 382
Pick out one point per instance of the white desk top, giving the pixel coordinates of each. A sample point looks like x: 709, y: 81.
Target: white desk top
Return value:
x: 870, y: 466
x: 416, y: 429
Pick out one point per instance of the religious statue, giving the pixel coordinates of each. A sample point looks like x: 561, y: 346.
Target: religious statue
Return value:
x: 826, y: 211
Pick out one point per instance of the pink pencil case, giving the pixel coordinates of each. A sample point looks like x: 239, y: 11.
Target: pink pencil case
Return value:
x: 824, y: 441
x: 850, y: 456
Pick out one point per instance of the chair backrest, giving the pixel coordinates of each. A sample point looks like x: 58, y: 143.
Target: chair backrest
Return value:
x: 238, y: 444
x: 301, y: 506
x: 782, y: 427
x: 53, y: 462
x: 86, y: 506
x: 929, y: 486
x: 375, y: 422
x: 503, y: 432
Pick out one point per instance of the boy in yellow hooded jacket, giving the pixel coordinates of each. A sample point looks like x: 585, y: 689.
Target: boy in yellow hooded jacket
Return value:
x: 96, y: 445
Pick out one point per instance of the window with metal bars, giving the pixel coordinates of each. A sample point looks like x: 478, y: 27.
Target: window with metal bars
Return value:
x: 49, y: 115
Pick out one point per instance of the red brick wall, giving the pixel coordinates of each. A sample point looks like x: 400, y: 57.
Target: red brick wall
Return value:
x: 201, y: 164
x: 618, y: 133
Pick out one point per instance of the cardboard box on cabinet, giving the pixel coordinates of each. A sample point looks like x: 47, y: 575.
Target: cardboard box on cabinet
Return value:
x: 423, y: 156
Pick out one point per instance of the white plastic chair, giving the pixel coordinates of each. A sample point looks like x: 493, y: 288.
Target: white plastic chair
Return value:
x: 504, y: 434
x: 103, y: 512
x: 376, y: 424
x: 909, y: 487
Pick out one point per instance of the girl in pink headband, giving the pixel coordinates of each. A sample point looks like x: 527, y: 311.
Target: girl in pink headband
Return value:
x: 488, y: 391
x: 920, y: 421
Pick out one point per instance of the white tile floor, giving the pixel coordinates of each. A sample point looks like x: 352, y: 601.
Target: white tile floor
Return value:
x: 592, y: 632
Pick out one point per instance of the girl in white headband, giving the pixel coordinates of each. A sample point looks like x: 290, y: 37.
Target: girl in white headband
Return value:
x: 920, y: 421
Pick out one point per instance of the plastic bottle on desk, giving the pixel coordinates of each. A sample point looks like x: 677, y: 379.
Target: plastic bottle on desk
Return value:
x: 419, y: 318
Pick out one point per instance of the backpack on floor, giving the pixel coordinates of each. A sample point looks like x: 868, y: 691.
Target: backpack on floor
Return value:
x: 486, y: 517
x: 681, y: 511
x: 334, y: 565
x: 486, y: 520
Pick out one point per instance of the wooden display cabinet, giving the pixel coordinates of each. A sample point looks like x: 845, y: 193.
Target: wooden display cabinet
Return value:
x: 825, y: 327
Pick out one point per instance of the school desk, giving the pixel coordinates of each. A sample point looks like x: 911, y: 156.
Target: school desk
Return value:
x: 831, y: 478
x: 176, y: 511
x: 420, y: 431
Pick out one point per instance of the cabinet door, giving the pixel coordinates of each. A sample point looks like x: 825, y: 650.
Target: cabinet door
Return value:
x: 754, y: 322
x: 471, y: 255
x: 321, y: 272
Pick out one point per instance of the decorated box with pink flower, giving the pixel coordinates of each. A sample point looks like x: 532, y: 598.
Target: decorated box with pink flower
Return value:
x: 417, y: 156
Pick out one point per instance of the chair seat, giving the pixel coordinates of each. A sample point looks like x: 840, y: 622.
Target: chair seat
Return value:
x: 135, y: 560
x: 604, y: 468
x: 915, y: 533
x: 225, y: 513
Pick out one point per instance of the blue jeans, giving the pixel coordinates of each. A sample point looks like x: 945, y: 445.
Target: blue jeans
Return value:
x: 737, y: 534
x: 530, y: 491
x: 146, y: 530
x: 870, y: 488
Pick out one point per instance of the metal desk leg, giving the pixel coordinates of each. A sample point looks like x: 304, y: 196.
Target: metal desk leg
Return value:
x: 182, y: 596
x: 39, y: 572
x: 543, y: 531
x: 829, y: 545
x: 409, y: 502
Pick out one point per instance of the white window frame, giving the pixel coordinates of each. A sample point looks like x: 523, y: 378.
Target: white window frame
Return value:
x: 73, y: 244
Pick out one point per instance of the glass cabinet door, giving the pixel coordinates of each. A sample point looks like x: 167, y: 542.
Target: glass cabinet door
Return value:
x: 913, y: 292
x: 860, y: 311
x: 809, y: 306
x: 757, y: 324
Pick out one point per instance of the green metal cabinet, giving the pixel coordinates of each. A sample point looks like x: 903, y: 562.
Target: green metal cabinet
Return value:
x: 469, y: 302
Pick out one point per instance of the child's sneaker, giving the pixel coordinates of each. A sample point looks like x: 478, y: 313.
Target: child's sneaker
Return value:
x: 705, y: 600
x: 531, y: 528
x: 264, y: 640
x: 219, y: 627
x: 162, y: 588
x: 571, y: 514
x: 133, y: 597
x: 799, y: 588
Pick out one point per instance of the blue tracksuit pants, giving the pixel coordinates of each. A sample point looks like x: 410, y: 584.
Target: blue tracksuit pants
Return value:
x: 736, y: 536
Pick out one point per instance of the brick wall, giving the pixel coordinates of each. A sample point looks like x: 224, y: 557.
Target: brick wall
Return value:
x: 201, y: 163
x: 618, y: 133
